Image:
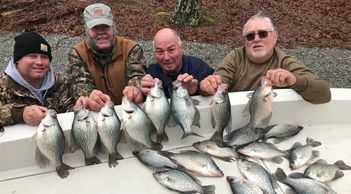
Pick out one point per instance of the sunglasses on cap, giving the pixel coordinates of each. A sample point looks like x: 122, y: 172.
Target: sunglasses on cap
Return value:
x: 261, y: 34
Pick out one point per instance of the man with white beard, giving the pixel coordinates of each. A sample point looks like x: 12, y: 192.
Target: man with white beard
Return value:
x: 243, y: 67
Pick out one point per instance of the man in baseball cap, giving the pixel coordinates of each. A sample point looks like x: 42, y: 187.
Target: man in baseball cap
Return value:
x: 108, y: 66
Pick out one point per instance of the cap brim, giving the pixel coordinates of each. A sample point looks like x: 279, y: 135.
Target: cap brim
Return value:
x: 96, y: 22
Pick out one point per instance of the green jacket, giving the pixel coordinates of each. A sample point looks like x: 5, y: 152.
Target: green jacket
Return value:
x: 14, y: 97
x: 88, y: 71
x: 241, y: 74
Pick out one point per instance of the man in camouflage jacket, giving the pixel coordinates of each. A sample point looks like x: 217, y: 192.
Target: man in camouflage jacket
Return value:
x: 105, y: 66
x: 28, y: 87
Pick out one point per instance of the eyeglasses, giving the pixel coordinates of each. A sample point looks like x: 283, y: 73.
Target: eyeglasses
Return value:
x: 261, y: 34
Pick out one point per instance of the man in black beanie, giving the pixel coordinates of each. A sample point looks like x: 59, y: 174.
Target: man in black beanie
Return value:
x: 28, y: 86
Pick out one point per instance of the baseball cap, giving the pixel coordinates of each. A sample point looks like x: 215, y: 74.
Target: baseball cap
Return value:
x: 96, y: 14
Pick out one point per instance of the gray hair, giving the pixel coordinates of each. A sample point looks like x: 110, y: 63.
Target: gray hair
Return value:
x: 176, y: 36
x: 261, y: 15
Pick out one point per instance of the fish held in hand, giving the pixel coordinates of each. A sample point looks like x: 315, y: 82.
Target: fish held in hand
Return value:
x: 109, y: 129
x: 220, y: 113
x: 138, y: 126
x: 158, y: 109
x: 183, y: 110
x: 85, y: 135
x: 51, y: 144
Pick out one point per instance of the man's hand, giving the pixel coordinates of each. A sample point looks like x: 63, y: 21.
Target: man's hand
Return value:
x: 189, y: 82
x: 133, y: 93
x: 210, y: 84
x: 97, y: 100
x: 147, y: 82
x: 32, y: 115
x: 281, y: 77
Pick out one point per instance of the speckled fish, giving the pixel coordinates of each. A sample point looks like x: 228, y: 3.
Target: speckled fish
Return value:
x: 301, y: 154
x: 220, y: 113
x: 264, y: 150
x: 85, y: 135
x: 281, y: 132
x: 257, y: 174
x: 209, y: 147
x: 261, y: 105
x: 154, y: 159
x: 109, y: 129
x: 243, y: 186
x: 158, y: 109
x: 195, y: 162
x: 323, y: 172
x: 138, y: 126
x: 51, y: 144
x: 182, y: 182
x: 243, y: 136
x: 303, y: 185
x: 183, y: 110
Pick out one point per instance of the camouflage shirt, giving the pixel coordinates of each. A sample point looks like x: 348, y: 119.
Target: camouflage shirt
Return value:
x: 14, y: 97
x: 110, y: 73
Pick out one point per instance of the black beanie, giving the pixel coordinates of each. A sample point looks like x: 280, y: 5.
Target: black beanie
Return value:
x: 30, y: 42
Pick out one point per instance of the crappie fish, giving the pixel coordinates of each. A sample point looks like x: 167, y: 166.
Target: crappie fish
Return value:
x: 109, y: 129
x: 281, y: 132
x: 51, y: 144
x: 257, y: 174
x: 183, y: 109
x: 243, y: 136
x: 301, y: 154
x: 154, y: 159
x: 221, y: 113
x: 158, y: 109
x: 302, y: 185
x: 138, y: 126
x: 85, y: 135
x: 195, y: 162
x: 209, y: 147
x: 182, y: 182
x: 264, y: 150
x: 243, y: 186
x: 323, y: 172
x: 261, y: 105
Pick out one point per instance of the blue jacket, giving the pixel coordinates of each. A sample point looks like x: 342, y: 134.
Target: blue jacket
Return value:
x: 192, y: 65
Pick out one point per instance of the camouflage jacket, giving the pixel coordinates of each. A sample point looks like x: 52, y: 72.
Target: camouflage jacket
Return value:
x: 89, y: 71
x: 14, y: 97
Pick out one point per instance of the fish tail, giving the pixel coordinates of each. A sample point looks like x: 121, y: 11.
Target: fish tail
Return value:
x: 312, y: 142
x: 91, y: 161
x: 279, y: 174
x: 112, y: 159
x: 62, y: 170
x: 342, y: 166
x: 162, y: 137
x: 209, y: 189
x: 217, y: 136
x: 156, y: 146
x: 186, y: 134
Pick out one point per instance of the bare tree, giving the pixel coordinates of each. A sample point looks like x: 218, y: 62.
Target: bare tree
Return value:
x: 187, y: 13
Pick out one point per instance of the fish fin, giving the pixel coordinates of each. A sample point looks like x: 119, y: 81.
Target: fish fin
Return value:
x: 41, y: 160
x: 342, y: 166
x: 338, y: 174
x: 217, y: 136
x: 277, y: 159
x: 312, y: 142
x: 171, y: 122
x: 227, y: 159
x: 196, y: 102
x: 279, y: 174
x: 278, y: 140
x: 113, y: 159
x: 156, y: 146
x: 190, y: 133
x: 123, y: 138
x: 296, y: 175
x: 91, y: 161
x: 161, y: 137
x: 213, y: 121
x: 321, y: 161
x: 228, y: 128
x: 196, y: 120
x: 315, y: 153
x: 62, y: 170
x: 246, y: 110
x: 209, y: 189
x: 295, y: 145
x: 72, y: 146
